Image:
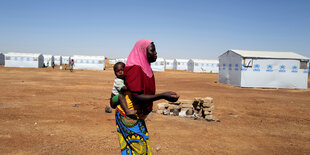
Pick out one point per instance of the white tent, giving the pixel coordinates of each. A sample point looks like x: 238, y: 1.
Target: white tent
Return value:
x: 158, y: 65
x: 58, y: 60
x: 2, y: 60
x: 124, y: 60
x: 112, y: 61
x: 180, y: 64
x: 203, y: 65
x: 169, y: 63
x: 88, y: 62
x: 65, y: 60
x: 263, y: 69
x: 27, y: 60
x: 48, y: 59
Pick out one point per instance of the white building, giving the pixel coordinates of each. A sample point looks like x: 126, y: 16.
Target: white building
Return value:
x: 65, y: 60
x: 158, y: 65
x: 169, y: 63
x: 26, y: 60
x: 264, y: 69
x: 48, y: 59
x: 203, y: 65
x: 2, y: 59
x: 180, y: 64
x: 89, y: 62
x: 58, y: 60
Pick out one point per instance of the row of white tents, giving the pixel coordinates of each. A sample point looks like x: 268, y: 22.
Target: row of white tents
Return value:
x: 191, y: 65
x: 36, y: 60
x: 241, y: 68
x: 262, y: 69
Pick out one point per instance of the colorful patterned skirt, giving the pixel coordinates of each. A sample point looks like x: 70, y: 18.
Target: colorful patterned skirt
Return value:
x: 132, y: 134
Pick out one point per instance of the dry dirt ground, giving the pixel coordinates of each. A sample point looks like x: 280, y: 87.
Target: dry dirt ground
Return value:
x: 37, y: 115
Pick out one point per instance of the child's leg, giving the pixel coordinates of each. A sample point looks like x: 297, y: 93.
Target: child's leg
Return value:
x: 123, y: 103
x: 114, y: 101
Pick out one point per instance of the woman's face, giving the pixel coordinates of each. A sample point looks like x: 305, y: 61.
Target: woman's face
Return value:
x: 151, y: 53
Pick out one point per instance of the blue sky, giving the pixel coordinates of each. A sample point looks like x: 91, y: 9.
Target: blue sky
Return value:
x: 179, y: 28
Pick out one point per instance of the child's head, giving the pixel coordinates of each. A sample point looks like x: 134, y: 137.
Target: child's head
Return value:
x: 118, y: 69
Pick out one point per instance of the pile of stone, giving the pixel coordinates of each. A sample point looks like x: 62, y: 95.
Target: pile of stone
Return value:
x: 198, y: 108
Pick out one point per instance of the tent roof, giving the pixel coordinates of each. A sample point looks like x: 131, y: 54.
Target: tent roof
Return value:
x: 87, y: 57
x: 268, y: 54
x: 121, y: 59
x: 47, y: 55
x: 160, y: 59
x: 182, y: 60
x: 205, y: 61
x: 169, y: 60
x: 23, y: 54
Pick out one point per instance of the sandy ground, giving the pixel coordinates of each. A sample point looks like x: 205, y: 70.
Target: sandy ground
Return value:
x: 37, y: 115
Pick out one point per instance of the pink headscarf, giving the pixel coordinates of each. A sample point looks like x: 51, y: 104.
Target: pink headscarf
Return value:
x: 138, y: 56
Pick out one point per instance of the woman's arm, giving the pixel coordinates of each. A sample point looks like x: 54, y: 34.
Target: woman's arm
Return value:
x: 169, y: 96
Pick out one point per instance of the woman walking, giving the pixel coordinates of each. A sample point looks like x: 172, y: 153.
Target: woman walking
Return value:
x: 139, y: 79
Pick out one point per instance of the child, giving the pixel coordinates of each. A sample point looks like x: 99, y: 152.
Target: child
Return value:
x: 119, y: 88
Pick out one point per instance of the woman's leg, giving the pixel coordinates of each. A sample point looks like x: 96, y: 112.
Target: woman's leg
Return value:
x: 132, y: 135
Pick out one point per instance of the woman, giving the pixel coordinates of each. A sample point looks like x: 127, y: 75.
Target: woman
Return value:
x: 139, y: 79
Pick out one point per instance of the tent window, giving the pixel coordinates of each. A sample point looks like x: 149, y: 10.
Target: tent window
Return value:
x: 7, y: 58
x: 167, y: 63
x: 161, y: 63
x: 179, y: 63
x: 100, y: 61
x: 35, y: 59
x: 196, y: 64
x: 303, y: 65
x: 248, y: 63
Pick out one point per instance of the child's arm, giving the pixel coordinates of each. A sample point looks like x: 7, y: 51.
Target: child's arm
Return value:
x: 124, y: 88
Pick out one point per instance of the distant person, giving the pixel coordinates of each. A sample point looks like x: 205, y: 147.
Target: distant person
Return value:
x: 119, y: 88
x: 71, y: 65
x: 139, y: 79
x: 53, y: 64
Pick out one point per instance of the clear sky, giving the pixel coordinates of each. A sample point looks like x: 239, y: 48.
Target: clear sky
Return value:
x: 180, y: 29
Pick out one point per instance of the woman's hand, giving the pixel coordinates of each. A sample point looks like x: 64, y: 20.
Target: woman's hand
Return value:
x: 170, y: 96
